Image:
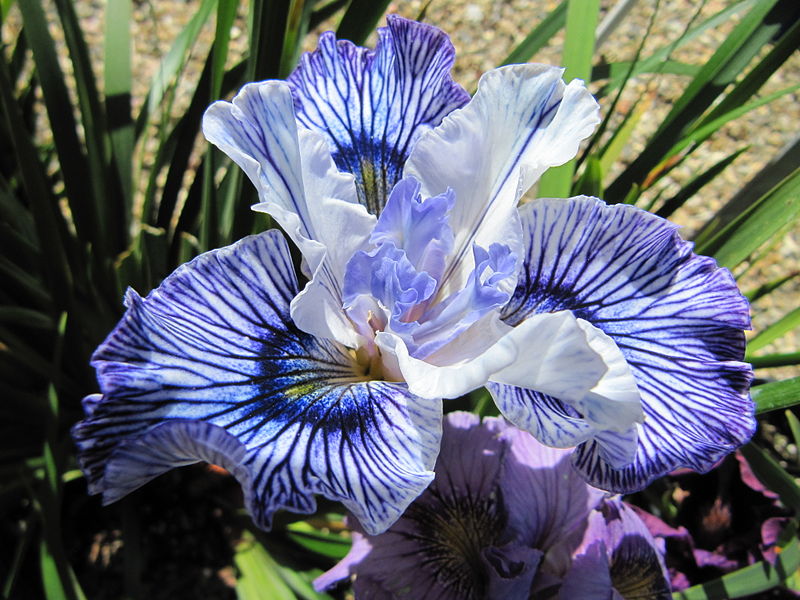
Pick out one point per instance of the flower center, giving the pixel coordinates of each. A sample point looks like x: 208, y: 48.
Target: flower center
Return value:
x: 397, y: 286
x: 453, y: 533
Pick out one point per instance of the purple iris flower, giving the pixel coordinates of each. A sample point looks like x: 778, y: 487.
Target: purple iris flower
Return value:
x: 505, y: 517
x: 593, y: 326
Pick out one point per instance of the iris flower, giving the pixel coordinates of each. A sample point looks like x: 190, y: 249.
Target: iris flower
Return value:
x: 593, y: 326
x: 506, y: 517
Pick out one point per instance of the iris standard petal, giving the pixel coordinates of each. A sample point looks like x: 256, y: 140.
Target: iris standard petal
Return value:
x: 300, y: 187
x: 372, y: 105
x: 522, y: 120
x: 676, y: 318
x: 210, y: 367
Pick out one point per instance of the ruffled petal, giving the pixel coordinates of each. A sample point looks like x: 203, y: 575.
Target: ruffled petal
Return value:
x: 491, y: 351
x: 676, y: 318
x: 522, y: 120
x: 210, y: 367
x: 300, y: 187
x: 372, y: 105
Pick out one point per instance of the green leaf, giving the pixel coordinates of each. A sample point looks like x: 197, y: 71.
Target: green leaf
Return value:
x: 774, y: 360
x: 780, y: 167
x: 44, y: 207
x: 71, y: 155
x: 577, y: 58
x: 747, y: 39
x: 767, y: 288
x: 659, y: 61
x: 697, y: 183
x: 173, y: 62
x: 327, y: 544
x: 759, y: 577
x: 704, y: 131
x: 776, y: 395
x: 360, y: 20
x: 118, y: 74
x: 772, y: 475
x: 773, y: 332
x: 258, y: 573
x: 268, y: 19
x: 591, y: 181
x: 743, y: 235
x: 112, y: 205
x: 794, y: 426
x: 616, y: 71
x: 539, y: 36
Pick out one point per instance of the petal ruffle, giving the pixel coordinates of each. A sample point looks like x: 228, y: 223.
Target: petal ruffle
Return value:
x: 522, y: 120
x: 300, y: 187
x: 210, y: 367
x: 372, y: 105
x: 496, y: 352
x: 675, y: 316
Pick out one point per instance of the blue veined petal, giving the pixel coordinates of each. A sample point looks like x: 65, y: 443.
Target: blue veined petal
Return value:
x: 676, y: 318
x: 300, y: 187
x: 522, y: 120
x: 372, y: 105
x: 210, y: 367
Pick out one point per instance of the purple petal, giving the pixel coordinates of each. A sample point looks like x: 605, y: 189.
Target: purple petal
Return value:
x: 437, y: 549
x: 372, y: 105
x: 675, y: 316
x: 546, y: 498
x: 210, y: 367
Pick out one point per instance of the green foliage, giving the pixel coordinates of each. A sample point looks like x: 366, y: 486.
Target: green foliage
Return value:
x: 86, y: 210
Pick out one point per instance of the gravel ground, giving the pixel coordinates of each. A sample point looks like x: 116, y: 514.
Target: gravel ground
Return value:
x: 483, y: 32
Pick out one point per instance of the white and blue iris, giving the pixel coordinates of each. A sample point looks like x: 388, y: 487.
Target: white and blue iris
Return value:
x: 593, y: 326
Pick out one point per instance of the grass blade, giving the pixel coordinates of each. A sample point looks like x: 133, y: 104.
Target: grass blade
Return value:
x: 71, y: 156
x: 773, y: 332
x: 577, y: 58
x: 776, y: 395
x: 779, y: 168
x: 360, y: 19
x: 774, y: 360
x: 539, y: 36
x: 118, y: 76
x: 772, y: 475
x: 747, y: 39
x: 769, y: 287
x: 697, y: 183
x: 258, y: 574
x: 742, y: 236
x: 173, y: 62
x: 755, y: 578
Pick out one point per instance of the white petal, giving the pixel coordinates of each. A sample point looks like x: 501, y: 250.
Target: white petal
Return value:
x: 548, y: 352
x: 301, y: 188
x: 522, y: 120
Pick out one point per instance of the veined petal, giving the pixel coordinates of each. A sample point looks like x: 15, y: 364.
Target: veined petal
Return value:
x: 450, y: 544
x: 372, y: 105
x: 210, y: 367
x: 300, y: 187
x: 522, y: 120
x: 560, y: 344
x: 676, y: 318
